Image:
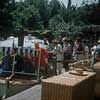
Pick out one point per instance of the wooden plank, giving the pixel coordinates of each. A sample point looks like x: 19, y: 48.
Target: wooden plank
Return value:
x: 33, y: 93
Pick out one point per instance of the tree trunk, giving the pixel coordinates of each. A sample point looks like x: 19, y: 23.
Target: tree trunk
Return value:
x: 69, y: 4
x: 21, y: 38
x: 13, y: 1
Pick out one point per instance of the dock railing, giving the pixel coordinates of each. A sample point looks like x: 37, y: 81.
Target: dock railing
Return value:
x: 12, y: 72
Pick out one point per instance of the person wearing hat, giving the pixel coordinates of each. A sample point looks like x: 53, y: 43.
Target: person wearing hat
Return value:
x: 78, y: 49
x: 55, y: 50
x: 56, y: 53
x: 67, y: 51
x: 40, y: 58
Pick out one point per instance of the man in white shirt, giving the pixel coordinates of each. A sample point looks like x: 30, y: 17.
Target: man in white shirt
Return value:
x: 56, y: 53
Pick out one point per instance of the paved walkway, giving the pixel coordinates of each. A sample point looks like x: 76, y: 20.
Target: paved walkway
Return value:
x: 33, y: 93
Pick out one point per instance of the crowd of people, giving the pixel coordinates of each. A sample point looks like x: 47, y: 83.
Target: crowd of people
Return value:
x: 56, y: 50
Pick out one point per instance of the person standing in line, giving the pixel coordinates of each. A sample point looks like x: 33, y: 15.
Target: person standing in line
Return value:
x: 40, y: 57
x: 96, y: 54
x: 93, y: 48
x: 67, y: 51
x: 56, y: 53
x: 95, y: 65
x: 78, y: 50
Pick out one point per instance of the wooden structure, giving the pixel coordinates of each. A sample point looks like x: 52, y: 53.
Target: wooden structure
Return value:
x: 11, y: 87
x: 12, y: 82
x: 33, y: 93
x: 69, y: 87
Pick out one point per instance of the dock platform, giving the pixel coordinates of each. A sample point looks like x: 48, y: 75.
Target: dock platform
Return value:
x: 33, y: 93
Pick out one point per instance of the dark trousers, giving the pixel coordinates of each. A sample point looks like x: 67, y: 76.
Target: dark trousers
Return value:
x: 67, y: 56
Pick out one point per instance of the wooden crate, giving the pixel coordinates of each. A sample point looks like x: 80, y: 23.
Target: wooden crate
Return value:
x: 69, y: 87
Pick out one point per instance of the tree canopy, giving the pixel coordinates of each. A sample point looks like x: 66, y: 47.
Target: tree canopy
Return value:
x: 46, y: 15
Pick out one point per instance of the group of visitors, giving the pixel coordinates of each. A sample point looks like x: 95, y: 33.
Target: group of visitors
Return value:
x: 28, y: 63
x: 65, y: 50
x: 56, y: 51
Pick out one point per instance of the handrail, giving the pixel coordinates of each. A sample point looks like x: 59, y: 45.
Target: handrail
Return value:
x: 81, y: 61
x: 61, y: 61
x: 13, y: 67
x: 20, y: 73
x: 13, y: 72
